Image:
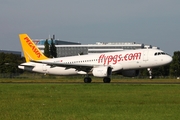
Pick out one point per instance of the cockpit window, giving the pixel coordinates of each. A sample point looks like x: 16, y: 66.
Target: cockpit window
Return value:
x: 163, y: 53
x: 160, y: 53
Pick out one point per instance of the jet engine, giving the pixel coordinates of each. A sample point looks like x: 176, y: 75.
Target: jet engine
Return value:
x: 130, y: 73
x: 102, y: 71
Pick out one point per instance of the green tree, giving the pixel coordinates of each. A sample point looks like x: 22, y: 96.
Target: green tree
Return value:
x: 2, y: 58
x: 143, y: 72
x: 161, y: 71
x: 158, y: 71
x: 175, y: 64
x: 46, y: 49
x: 9, y: 63
x: 53, y: 52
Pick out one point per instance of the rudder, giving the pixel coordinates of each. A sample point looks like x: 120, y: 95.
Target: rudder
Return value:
x: 30, y: 50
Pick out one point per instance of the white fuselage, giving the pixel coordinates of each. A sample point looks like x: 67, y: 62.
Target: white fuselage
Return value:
x: 122, y: 60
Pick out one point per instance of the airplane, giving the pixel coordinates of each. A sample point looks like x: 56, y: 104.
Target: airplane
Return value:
x: 128, y: 62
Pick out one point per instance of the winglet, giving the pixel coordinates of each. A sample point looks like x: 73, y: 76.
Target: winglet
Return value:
x: 31, y: 51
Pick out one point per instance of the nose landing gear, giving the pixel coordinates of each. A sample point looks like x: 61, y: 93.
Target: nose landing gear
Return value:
x: 150, y: 73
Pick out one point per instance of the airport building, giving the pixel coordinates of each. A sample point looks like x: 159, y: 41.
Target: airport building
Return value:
x: 70, y: 50
x: 65, y: 48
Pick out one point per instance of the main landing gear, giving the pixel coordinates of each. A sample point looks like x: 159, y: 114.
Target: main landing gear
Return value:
x: 105, y: 80
x: 87, y: 80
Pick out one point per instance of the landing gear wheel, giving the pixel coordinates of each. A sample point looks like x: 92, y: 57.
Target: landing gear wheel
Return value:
x: 87, y: 80
x: 150, y: 77
x: 106, y: 80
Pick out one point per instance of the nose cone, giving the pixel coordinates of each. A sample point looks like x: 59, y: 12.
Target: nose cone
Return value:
x: 168, y: 59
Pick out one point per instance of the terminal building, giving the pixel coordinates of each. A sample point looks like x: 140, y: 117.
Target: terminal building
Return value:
x: 65, y: 48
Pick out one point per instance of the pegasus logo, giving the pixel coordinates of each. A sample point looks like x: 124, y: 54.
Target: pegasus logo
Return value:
x: 31, y: 45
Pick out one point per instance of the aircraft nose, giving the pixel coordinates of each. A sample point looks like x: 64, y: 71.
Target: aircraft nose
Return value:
x: 169, y: 59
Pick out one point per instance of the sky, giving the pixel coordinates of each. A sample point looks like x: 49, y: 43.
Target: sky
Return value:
x: 151, y: 22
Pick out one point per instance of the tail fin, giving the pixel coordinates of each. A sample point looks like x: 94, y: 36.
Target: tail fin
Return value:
x: 31, y: 51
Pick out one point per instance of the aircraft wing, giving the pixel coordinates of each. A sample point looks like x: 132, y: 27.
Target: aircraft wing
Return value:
x: 79, y: 67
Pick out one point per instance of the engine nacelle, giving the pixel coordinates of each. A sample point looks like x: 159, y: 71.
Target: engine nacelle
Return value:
x: 130, y: 73
x: 102, y: 71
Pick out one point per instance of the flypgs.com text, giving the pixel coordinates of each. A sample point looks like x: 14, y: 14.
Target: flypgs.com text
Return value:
x: 117, y: 58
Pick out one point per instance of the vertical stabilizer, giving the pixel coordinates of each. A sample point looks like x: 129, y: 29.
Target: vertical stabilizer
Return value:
x: 31, y: 51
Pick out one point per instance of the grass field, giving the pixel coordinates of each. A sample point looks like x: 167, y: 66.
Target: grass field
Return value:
x: 45, y: 101
x: 40, y: 78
